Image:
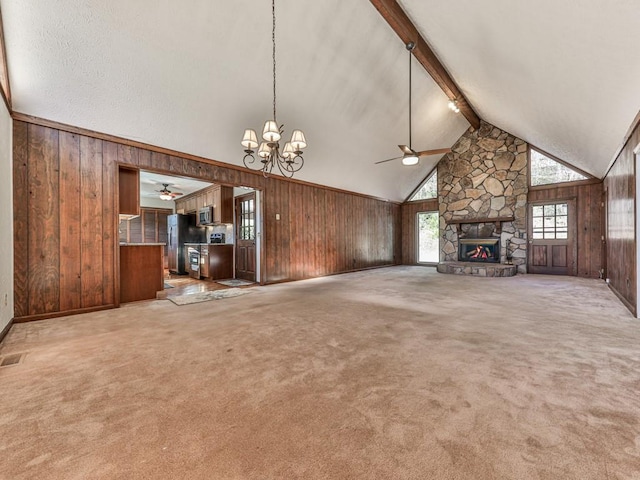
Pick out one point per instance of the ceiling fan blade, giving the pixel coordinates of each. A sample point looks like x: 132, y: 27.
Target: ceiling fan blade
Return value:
x: 436, y: 151
x: 406, y: 150
x: 387, y: 160
x: 175, y: 194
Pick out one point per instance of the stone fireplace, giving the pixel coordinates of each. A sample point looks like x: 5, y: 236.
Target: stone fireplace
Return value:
x: 482, y: 191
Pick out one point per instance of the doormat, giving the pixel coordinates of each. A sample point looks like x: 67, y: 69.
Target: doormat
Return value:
x: 206, y: 296
x: 166, y: 285
x: 234, y: 282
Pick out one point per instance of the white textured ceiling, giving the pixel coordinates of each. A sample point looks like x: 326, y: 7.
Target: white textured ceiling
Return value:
x: 191, y: 76
x: 151, y: 183
x: 563, y: 75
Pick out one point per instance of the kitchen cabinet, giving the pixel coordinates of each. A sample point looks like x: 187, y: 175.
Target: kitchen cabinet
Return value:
x: 223, y: 204
x: 149, y: 227
x: 220, y: 197
x: 141, y: 272
x: 128, y: 191
x: 220, y: 261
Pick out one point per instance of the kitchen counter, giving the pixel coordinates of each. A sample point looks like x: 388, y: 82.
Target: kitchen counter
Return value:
x: 141, y: 271
x: 141, y: 244
x: 207, y: 244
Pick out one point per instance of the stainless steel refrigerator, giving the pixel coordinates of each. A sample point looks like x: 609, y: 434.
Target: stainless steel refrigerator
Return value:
x: 181, y: 229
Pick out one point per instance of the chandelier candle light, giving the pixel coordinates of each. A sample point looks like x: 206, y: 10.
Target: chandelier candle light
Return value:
x: 289, y: 160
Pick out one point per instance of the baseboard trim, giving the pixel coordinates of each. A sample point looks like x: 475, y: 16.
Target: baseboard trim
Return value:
x: 5, y: 330
x: 45, y: 316
x: 624, y: 301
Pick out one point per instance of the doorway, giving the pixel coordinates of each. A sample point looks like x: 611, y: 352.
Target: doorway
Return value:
x: 245, y: 210
x: 552, y: 238
x: 428, y: 232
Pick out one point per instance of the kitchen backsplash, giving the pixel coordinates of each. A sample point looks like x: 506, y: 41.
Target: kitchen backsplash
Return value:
x: 227, y: 229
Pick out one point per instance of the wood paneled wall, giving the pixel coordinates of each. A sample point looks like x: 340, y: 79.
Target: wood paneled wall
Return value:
x: 65, y: 218
x: 620, y: 189
x: 409, y: 220
x: 589, y: 222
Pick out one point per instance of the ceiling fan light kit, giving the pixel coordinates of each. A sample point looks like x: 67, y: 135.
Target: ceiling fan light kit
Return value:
x: 410, y: 156
x: 410, y: 160
x: 166, y: 194
x: 289, y: 160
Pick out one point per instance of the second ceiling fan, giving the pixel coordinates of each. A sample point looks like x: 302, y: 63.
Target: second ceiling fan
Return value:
x: 409, y: 155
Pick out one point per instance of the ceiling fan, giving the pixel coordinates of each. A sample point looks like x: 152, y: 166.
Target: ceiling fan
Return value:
x: 166, y: 194
x: 409, y: 155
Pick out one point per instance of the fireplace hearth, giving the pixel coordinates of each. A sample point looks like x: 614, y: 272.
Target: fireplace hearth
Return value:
x: 484, y: 250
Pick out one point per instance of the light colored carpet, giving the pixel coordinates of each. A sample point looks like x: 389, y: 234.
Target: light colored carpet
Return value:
x: 235, y: 282
x: 200, y: 297
x: 396, y: 373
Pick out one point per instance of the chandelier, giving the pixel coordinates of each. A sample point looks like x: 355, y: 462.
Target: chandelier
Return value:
x: 289, y: 160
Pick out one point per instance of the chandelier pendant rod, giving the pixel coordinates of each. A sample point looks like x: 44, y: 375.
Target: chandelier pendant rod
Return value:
x: 289, y: 160
x: 410, y: 46
x: 273, y: 41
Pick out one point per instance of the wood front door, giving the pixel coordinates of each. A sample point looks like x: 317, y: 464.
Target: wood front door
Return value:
x: 552, y: 238
x: 246, y: 236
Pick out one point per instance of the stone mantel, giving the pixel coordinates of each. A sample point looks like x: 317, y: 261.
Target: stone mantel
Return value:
x: 496, y: 220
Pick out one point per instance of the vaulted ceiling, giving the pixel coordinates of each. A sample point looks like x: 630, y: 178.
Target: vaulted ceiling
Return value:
x: 191, y: 76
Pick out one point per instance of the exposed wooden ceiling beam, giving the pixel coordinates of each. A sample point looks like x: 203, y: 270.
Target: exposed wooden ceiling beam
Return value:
x: 4, y: 70
x: 392, y: 12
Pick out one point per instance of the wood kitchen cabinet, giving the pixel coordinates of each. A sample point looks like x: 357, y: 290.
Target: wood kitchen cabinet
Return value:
x: 141, y: 272
x: 223, y: 204
x: 220, y: 197
x: 149, y: 227
x: 128, y: 191
x: 220, y: 261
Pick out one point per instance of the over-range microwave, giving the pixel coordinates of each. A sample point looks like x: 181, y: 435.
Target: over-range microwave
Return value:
x: 205, y: 216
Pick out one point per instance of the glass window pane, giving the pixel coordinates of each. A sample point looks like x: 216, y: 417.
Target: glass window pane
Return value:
x: 549, y: 235
x: 561, y: 221
x: 550, y: 210
x: 561, y: 209
x: 428, y: 190
x: 545, y: 170
x: 538, y: 211
x: 561, y: 235
x: 549, y: 222
x: 537, y: 235
x: 428, y: 237
x: 537, y: 222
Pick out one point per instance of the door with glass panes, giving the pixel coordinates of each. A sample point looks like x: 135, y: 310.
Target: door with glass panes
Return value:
x: 245, y: 208
x: 552, y: 238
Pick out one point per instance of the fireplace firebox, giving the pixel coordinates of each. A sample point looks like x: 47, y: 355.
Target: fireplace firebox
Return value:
x: 485, y: 250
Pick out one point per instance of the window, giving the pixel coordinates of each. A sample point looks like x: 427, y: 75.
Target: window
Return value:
x: 545, y: 170
x: 428, y: 190
x: 550, y: 222
x: 428, y: 237
x: 247, y: 222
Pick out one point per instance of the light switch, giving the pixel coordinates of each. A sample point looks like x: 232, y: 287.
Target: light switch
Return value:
x: 277, y: 216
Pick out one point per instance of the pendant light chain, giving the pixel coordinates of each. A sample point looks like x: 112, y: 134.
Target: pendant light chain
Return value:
x: 410, y: 48
x: 273, y: 38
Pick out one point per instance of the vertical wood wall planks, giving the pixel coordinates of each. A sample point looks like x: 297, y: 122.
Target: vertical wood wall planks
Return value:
x: 66, y: 220
x: 70, y: 227
x: 91, y: 221
x: 44, y: 220
x: 588, y: 221
x: 20, y: 219
x: 620, y: 185
x: 110, y: 237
